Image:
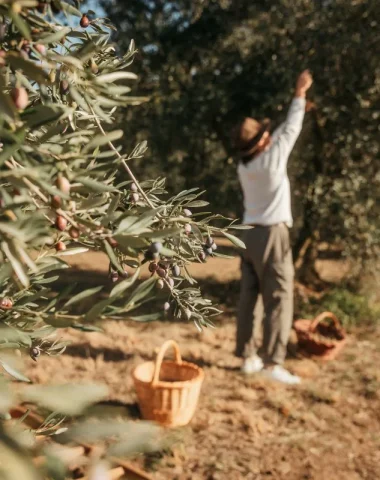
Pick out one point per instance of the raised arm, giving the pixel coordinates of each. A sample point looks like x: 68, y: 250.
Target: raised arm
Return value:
x: 293, y: 124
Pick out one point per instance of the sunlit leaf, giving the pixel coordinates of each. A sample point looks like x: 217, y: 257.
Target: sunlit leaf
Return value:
x: 95, y: 185
x: 114, y: 76
x: 20, y: 23
x: 197, y: 203
x: 236, y: 241
x: 72, y: 251
x: 69, y: 9
x: 100, y: 140
x: 124, y: 285
x: 13, y: 371
x: 54, y: 37
x: 142, y: 291
x: 112, y: 257
x: 15, y: 262
x: 147, y: 318
x: 42, y: 115
x: 82, y: 295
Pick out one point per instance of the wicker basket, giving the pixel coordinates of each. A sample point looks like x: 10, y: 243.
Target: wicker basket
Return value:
x: 168, y: 391
x: 319, y: 338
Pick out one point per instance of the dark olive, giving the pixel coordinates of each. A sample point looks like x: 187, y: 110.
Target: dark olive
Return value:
x: 114, y: 276
x: 135, y: 197
x: 56, y: 201
x: 6, y: 303
x: 161, y: 272
x: 64, y: 87
x: 61, y: 223
x: 202, y: 256
x: 153, y: 267
x: 35, y: 352
x: 126, y: 273
x: 150, y: 255
x: 60, y: 246
x: 20, y: 97
x: 63, y: 184
x: 209, y: 241
x: 112, y: 242
x: 176, y: 270
x: 155, y: 247
x: 84, y: 21
x: 74, y: 232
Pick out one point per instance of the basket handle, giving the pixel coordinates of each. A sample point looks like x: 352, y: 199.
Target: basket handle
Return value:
x: 160, y: 357
x: 321, y: 317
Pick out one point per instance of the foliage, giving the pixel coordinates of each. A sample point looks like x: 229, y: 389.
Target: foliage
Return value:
x: 205, y: 63
x: 67, y: 186
x: 351, y: 308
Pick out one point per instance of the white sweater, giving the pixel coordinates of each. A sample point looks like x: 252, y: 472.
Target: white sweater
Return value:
x: 264, y: 179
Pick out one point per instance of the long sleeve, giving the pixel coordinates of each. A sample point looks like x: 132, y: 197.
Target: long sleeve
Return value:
x: 284, y: 138
x: 292, y: 127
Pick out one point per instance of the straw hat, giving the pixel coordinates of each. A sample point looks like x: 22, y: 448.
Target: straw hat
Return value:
x: 248, y: 134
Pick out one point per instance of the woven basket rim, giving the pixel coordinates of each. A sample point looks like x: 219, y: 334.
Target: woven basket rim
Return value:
x: 171, y: 385
x: 301, y: 325
x: 335, y: 343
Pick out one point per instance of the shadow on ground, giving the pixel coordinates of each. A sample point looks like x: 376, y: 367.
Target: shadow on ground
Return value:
x: 85, y: 350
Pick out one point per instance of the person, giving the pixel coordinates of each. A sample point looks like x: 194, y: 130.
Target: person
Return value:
x: 267, y: 264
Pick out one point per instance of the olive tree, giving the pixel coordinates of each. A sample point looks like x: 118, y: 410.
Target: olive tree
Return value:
x: 67, y: 187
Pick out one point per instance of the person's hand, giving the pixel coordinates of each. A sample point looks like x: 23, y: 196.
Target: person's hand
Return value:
x: 304, y: 82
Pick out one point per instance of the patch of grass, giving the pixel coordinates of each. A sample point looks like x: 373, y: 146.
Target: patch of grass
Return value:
x: 352, y: 309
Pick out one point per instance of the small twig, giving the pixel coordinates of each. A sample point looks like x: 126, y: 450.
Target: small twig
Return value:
x: 125, y: 165
x: 301, y: 256
x: 27, y: 182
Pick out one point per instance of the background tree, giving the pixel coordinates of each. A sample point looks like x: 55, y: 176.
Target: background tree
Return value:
x: 206, y: 63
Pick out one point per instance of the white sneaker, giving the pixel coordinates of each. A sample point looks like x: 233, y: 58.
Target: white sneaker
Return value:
x: 252, y: 365
x: 280, y: 374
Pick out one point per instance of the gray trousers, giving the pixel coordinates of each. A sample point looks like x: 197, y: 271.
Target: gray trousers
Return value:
x: 267, y: 269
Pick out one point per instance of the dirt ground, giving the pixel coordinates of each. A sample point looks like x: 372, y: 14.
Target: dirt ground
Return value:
x: 328, y: 428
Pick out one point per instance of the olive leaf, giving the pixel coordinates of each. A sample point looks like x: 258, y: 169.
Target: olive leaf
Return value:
x: 13, y: 371
x: 30, y: 69
x: 114, y: 76
x: 82, y: 295
x: 22, y: 26
x: 100, y: 140
x: 54, y: 37
x: 236, y: 241
x: 59, y: 398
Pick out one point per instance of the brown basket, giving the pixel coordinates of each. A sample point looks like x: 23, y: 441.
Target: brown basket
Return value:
x: 168, y: 391
x: 324, y: 340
